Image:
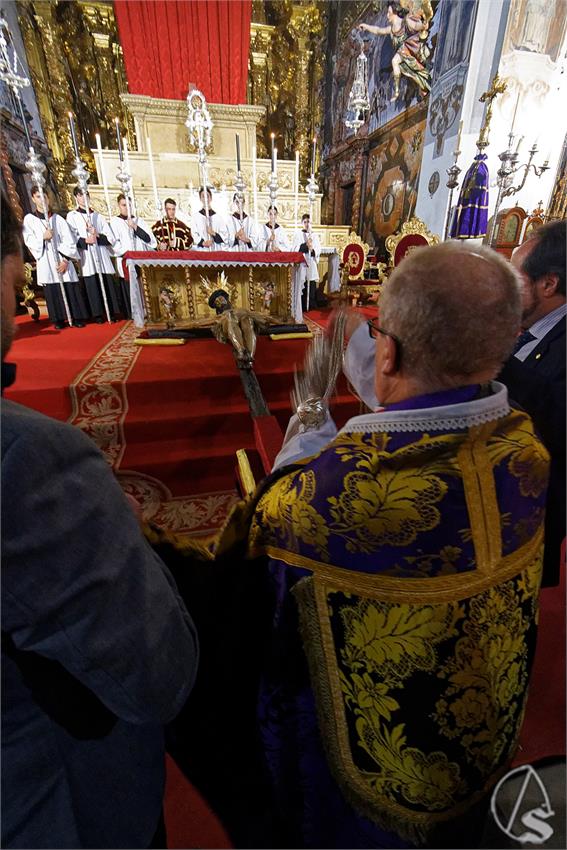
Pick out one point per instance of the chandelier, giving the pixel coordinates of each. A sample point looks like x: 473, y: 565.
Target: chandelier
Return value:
x: 358, y: 99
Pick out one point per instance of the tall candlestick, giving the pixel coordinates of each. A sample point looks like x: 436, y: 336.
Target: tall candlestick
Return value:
x: 24, y: 120
x: 103, y: 174
x: 273, y: 136
x: 275, y: 162
x: 126, y: 155
x: 119, y: 137
x: 458, y: 148
x: 254, y: 182
x: 153, y: 174
x: 73, y: 135
x: 296, y: 204
x: 313, y: 156
x: 515, y: 111
x: 237, y: 152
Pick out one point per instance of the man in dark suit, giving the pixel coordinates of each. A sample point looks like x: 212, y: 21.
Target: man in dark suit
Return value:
x: 98, y: 650
x: 535, y: 373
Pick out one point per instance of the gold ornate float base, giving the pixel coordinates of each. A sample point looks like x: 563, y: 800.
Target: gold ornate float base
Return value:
x: 177, y: 296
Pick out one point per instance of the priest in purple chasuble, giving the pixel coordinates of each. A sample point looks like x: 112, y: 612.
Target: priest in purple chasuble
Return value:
x: 170, y: 232
x: 405, y: 555
x: 379, y: 592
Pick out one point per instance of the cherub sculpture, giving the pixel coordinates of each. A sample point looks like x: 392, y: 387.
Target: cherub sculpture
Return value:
x: 269, y: 292
x: 168, y: 302
x: 408, y: 25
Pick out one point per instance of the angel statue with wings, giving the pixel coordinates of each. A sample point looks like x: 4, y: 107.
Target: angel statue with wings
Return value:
x: 408, y: 27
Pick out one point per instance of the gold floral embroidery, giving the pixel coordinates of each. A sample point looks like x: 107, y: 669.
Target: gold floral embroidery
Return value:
x: 285, y: 512
x: 383, y: 646
x: 389, y: 509
x: 487, y: 671
x: 527, y: 458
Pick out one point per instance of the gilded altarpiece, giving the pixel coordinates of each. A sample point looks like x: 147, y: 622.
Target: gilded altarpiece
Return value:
x: 76, y: 64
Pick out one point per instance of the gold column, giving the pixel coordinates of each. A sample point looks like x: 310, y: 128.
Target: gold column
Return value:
x: 260, y: 44
x: 100, y: 22
x: 304, y: 24
x: 48, y: 71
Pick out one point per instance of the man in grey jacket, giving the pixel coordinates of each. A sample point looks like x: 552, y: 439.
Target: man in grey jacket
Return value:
x: 98, y: 650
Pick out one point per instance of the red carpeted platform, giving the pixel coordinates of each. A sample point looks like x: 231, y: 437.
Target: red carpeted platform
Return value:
x: 49, y: 359
x: 169, y: 419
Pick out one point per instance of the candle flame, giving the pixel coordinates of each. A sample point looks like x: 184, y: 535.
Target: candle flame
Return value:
x: 70, y: 114
x: 272, y: 135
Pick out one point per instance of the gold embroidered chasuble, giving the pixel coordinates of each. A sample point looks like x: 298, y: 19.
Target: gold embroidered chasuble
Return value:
x: 413, y: 547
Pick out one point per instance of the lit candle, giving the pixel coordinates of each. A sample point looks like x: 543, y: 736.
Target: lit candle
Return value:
x: 459, y: 136
x: 273, y: 149
x: 515, y: 111
x: 153, y: 174
x: 313, y: 157
x: 103, y: 175
x: 126, y: 156
x: 118, y: 136
x: 237, y: 152
x: 254, y: 182
x: 296, y: 205
x: 275, y: 162
x: 73, y: 136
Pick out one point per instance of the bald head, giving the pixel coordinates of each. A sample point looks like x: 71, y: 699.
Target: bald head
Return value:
x: 456, y: 310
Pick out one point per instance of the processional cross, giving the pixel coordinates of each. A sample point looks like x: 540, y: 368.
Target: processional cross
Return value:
x: 498, y: 87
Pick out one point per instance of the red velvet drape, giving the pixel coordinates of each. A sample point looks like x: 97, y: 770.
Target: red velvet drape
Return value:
x: 169, y: 43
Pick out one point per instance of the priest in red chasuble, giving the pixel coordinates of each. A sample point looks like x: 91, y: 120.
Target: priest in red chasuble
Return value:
x: 171, y: 233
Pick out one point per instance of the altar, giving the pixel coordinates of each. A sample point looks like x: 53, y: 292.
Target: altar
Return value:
x: 172, y: 288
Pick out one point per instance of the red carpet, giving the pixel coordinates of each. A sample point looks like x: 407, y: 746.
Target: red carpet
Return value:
x: 48, y: 360
x: 543, y: 731
x: 189, y: 821
x: 168, y: 419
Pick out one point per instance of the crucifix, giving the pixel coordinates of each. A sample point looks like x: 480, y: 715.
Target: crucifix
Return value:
x: 498, y: 87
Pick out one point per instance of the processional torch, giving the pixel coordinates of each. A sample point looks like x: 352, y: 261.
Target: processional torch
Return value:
x: 239, y: 186
x: 200, y: 125
x: 82, y: 174
x: 124, y: 177
x: 311, y: 189
x: 12, y: 73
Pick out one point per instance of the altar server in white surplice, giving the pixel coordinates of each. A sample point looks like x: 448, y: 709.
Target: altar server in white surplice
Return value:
x: 309, y: 244
x: 132, y: 234
x: 211, y: 234
x: 54, y: 249
x: 95, y: 242
x: 244, y: 235
x: 276, y: 238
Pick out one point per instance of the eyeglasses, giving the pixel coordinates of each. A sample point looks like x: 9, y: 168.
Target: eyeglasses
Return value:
x: 374, y: 329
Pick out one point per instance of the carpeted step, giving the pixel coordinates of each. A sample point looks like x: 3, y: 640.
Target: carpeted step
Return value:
x: 228, y: 426
x: 185, y: 466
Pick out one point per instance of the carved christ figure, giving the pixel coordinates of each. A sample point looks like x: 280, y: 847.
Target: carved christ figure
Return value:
x: 408, y: 33
x: 237, y: 326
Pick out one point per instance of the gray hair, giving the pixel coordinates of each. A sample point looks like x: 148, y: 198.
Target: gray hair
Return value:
x: 456, y: 310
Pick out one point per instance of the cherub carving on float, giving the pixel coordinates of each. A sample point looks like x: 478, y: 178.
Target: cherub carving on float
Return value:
x: 269, y: 292
x: 168, y: 303
x: 408, y: 27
